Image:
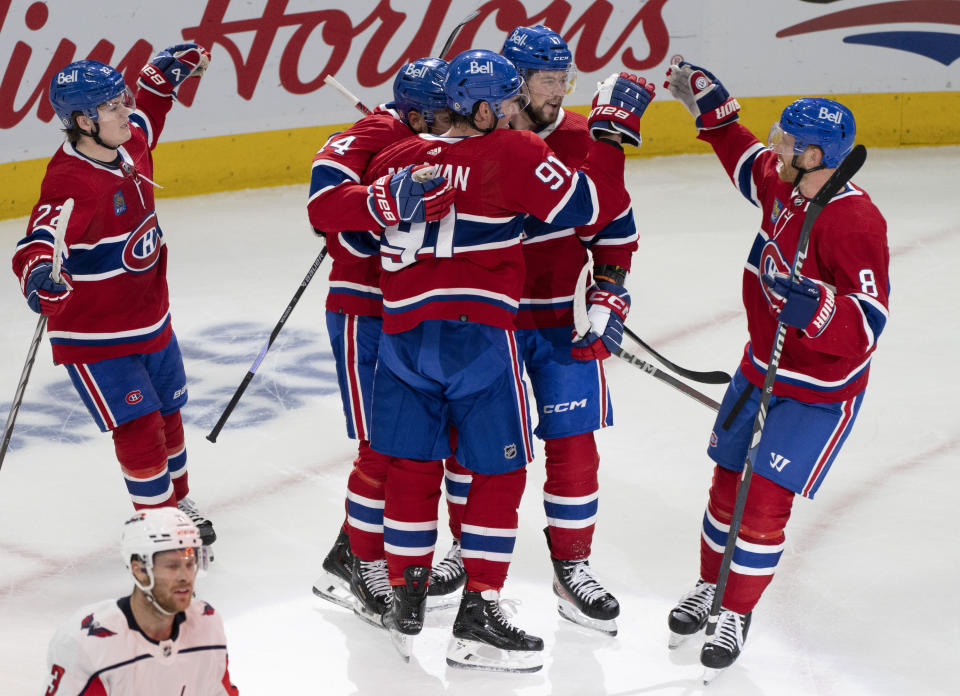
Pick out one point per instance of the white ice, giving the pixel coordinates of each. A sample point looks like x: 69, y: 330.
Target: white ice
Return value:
x: 864, y: 600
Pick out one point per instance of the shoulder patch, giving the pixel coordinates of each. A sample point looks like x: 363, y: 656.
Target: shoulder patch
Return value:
x: 207, y: 610
x: 93, y: 628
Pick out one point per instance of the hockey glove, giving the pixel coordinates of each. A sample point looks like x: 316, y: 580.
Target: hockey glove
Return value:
x: 618, y: 104
x: 166, y: 70
x: 607, y: 307
x: 414, y: 194
x: 703, y: 94
x: 44, y: 294
x: 806, y: 303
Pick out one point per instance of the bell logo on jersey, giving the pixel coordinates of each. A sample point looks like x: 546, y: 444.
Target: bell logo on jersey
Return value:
x: 477, y: 69
x: 826, y: 115
x: 142, y: 249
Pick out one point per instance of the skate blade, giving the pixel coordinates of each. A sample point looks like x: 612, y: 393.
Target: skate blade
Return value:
x: 574, y: 615
x: 709, y: 674
x: 446, y: 601
x: 333, y: 589
x: 206, y: 557
x: 372, y: 618
x: 472, y: 654
x: 676, y: 639
x: 403, y: 643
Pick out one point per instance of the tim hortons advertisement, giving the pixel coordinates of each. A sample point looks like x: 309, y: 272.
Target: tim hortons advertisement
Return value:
x: 270, y: 57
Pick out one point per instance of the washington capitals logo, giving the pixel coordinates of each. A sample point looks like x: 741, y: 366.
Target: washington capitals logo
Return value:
x: 94, y: 628
x: 207, y: 609
x: 943, y: 47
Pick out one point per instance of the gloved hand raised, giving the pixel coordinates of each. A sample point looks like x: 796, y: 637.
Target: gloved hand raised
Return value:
x: 703, y: 94
x: 166, y: 70
x: 44, y: 294
x: 805, y: 303
x: 618, y: 104
x: 414, y: 194
x: 607, y: 307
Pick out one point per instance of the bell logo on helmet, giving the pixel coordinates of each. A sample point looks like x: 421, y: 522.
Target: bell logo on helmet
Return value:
x: 413, y: 71
x: 67, y: 78
x: 827, y: 115
x: 476, y: 68
x: 518, y: 37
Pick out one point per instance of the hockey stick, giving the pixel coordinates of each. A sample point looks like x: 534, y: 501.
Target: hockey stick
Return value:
x: 59, y: 232
x: 705, y: 377
x: 455, y: 32
x: 581, y: 324
x: 263, y: 352
x: 850, y: 166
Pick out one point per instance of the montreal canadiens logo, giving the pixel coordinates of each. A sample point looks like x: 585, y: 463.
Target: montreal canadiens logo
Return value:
x: 771, y: 261
x: 134, y: 397
x: 142, y: 248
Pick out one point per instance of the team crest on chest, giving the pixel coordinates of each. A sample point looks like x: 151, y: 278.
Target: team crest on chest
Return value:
x: 142, y: 249
x: 119, y: 203
x: 771, y: 261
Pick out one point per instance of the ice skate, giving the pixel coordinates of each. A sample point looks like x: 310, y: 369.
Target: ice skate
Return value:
x: 334, y: 584
x: 404, y: 616
x: 690, y: 615
x: 371, y: 590
x: 582, y: 599
x: 446, y: 577
x: 484, y: 639
x: 189, y: 508
x: 723, y: 649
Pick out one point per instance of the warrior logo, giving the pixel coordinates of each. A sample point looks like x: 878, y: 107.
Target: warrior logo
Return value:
x: 778, y: 461
x: 142, y: 249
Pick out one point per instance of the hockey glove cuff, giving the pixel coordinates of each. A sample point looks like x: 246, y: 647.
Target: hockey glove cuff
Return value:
x: 414, y: 194
x: 607, y: 307
x: 44, y: 294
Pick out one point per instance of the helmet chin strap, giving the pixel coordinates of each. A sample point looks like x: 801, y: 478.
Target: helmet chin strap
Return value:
x: 795, y: 163
x: 96, y: 137
x: 149, y: 595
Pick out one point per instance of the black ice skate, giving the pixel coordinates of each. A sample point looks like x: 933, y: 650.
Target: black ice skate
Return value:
x: 446, y: 577
x: 404, y: 616
x: 484, y: 639
x: 370, y: 586
x: 723, y: 649
x: 205, y: 526
x: 582, y: 599
x: 334, y: 584
x: 690, y: 615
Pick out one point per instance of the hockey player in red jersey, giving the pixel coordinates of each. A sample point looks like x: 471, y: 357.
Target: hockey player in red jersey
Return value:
x: 836, y: 311
x: 109, y: 318
x: 355, y: 573
x: 571, y: 391
x: 155, y: 641
x: 448, y: 357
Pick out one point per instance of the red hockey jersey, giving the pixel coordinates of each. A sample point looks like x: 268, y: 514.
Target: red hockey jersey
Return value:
x: 848, y: 251
x: 114, y: 248
x: 555, y: 255
x: 469, y: 266
x: 354, y: 286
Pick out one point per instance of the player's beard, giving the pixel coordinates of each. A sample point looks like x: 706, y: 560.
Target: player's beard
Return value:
x: 538, y: 116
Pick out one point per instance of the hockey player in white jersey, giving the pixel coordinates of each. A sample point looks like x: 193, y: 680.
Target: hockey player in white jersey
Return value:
x: 156, y: 641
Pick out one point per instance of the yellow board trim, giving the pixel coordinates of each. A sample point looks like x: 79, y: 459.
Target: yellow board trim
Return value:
x: 276, y: 158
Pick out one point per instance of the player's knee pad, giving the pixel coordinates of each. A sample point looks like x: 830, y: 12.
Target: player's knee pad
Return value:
x: 141, y: 446
x: 572, y: 464
x: 766, y: 511
x: 494, y: 499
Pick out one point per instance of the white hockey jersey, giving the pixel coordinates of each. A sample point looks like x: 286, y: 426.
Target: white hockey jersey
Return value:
x: 102, y: 651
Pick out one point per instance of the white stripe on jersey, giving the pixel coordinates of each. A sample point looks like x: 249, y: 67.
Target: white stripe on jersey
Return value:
x: 437, y: 292
x: 97, y: 336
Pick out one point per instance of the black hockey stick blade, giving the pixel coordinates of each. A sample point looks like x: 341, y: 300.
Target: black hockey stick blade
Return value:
x: 718, y: 377
x: 453, y: 34
x: 653, y: 371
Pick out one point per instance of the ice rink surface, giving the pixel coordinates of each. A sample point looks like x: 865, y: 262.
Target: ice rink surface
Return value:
x: 864, y: 601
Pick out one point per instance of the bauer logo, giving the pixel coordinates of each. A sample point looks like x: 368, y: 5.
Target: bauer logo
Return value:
x: 827, y: 115
x: 134, y: 397
x: 67, y: 78
x: 413, y: 71
x: 477, y: 68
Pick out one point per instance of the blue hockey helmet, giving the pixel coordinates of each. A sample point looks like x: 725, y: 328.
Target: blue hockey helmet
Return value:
x: 822, y: 122
x: 537, y: 48
x: 82, y: 86
x: 419, y: 85
x: 479, y: 75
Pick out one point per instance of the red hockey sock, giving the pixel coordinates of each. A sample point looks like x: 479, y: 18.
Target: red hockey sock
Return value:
x: 456, y: 483
x: 365, y: 500
x: 410, y: 517
x: 759, y: 542
x: 176, y: 453
x: 490, y: 528
x: 142, y: 453
x: 570, y: 495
